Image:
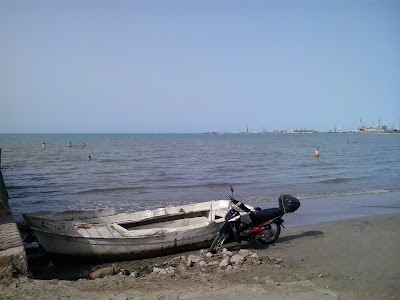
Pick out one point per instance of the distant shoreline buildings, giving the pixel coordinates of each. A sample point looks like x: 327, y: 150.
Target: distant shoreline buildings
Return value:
x: 378, y: 129
x: 361, y: 129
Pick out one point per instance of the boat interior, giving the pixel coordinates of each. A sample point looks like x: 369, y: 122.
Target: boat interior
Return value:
x: 172, y: 221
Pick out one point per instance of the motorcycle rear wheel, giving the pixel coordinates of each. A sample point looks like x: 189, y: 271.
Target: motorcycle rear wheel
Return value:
x: 218, y: 242
x: 270, y: 234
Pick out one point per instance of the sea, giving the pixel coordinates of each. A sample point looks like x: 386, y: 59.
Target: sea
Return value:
x: 131, y: 172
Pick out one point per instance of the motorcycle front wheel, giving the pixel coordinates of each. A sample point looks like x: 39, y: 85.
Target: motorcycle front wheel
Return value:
x: 218, y: 242
x: 270, y: 233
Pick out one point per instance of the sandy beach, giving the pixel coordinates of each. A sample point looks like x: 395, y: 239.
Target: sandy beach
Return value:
x: 350, y: 259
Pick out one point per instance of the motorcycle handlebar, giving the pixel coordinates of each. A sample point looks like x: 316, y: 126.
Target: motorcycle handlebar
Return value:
x: 233, y: 200
x: 241, y: 205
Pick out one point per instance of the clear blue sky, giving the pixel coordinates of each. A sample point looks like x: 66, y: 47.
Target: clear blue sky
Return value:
x: 195, y: 66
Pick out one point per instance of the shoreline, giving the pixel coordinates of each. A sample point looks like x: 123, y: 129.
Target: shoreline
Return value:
x: 356, y: 258
x: 339, y: 208
x: 318, y: 210
x: 314, y: 210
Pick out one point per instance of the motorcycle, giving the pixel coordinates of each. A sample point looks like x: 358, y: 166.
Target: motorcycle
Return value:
x: 264, y: 225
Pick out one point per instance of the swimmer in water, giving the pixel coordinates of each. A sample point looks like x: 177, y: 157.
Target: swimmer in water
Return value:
x: 317, y: 152
x: 90, y: 157
x: 44, y: 145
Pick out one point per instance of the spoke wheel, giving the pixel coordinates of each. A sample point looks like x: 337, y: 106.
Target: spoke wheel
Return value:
x: 218, y: 242
x: 270, y: 234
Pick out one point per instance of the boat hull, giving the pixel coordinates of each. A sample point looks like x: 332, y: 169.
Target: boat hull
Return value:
x: 64, y: 249
x: 107, y: 236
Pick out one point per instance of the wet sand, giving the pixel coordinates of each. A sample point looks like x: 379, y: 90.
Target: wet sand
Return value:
x: 351, y: 259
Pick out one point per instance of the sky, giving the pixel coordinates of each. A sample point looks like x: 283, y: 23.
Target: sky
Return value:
x: 148, y: 66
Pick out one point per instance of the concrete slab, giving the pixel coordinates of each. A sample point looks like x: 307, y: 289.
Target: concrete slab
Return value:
x: 13, y: 260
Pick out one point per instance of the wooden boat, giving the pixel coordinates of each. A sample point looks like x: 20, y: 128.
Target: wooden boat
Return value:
x: 107, y: 236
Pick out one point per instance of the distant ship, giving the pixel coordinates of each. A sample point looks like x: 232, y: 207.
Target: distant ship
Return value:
x: 305, y: 131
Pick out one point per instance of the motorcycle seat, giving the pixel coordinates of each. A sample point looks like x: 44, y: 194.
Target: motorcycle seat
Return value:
x: 264, y: 215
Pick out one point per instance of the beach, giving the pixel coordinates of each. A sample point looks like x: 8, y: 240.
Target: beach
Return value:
x: 356, y: 258
x: 353, y: 187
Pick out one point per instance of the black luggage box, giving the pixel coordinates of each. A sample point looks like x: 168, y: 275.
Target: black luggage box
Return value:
x: 288, y: 203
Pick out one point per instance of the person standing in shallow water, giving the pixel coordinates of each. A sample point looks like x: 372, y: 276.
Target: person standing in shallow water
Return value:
x: 317, y: 152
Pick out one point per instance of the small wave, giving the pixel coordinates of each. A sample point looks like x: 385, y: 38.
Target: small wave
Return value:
x: 338, y: 180
x: 259, y: 199
x: 36, y: 202
x: 200, y: 185
x: 20, y: 187
x: 139, y: 189
x: 344, y: 194
x: 381, y: 206
x: 215, y: 185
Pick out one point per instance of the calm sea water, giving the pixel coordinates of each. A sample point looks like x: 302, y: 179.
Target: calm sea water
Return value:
x: 141, y: 171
